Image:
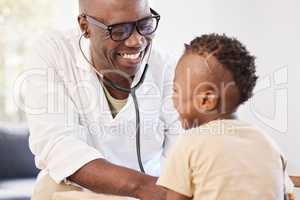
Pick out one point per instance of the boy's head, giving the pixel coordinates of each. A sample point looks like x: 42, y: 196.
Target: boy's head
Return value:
x: 213, y: 77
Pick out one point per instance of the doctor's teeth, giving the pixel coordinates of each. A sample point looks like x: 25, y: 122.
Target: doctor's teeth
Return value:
x: 130, y: 56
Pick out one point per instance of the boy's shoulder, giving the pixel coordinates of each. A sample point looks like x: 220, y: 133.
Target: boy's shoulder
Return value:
x: 220, y: 128
x: 232, y: 134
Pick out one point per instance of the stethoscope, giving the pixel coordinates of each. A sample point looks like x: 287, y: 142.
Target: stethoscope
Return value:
x: 131, y: 91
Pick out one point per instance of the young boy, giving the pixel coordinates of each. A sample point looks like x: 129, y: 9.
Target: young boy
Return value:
x: 219, y: 157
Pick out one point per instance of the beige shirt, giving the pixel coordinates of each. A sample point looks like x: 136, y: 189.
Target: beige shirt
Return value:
x: 115, y: 105
x: 224, y: 160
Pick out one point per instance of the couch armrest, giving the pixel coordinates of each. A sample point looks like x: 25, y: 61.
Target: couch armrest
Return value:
x: 16, y: 158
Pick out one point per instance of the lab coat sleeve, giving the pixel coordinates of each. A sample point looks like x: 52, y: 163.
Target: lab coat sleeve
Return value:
x: 290, y: 187
x: 170, y: 117
x: 57, y: 140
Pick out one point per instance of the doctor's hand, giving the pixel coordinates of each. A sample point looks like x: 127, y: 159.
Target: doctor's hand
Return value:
x: 150, y: 191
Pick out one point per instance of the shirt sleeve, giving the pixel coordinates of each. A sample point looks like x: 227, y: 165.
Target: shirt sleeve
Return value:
x: 176, y: 175
x: 57, y: 139
x: 290, y: 187
x: 169, y: 116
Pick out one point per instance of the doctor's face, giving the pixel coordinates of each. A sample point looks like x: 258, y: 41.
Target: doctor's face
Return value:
x: 107, y: 54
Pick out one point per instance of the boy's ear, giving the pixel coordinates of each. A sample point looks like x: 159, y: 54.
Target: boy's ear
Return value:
x: 207, y: 100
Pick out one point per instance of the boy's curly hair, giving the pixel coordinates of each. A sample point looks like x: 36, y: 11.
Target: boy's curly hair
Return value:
x: 233, y: 55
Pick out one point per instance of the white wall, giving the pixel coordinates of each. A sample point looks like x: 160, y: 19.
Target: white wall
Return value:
x: 271, y: 30
x: 65, y: 14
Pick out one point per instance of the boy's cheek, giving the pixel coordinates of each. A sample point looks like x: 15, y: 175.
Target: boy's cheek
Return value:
x: 176, y: 102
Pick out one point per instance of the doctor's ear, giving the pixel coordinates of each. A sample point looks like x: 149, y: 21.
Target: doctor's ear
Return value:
x: 83, y: 25
x: 207, y: 100
x: 86, y: 34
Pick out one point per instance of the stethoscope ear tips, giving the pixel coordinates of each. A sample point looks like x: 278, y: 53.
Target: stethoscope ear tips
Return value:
x: 86, y: 34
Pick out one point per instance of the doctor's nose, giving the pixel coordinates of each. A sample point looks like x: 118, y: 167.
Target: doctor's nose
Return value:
x: 136, y: 40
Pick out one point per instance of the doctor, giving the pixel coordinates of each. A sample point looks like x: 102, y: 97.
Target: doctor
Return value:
x: 82, y: 130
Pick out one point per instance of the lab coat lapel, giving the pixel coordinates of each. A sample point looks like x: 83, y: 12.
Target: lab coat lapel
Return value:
x: 104, y: 114
x: 95, y: 93
x: 128, y: 112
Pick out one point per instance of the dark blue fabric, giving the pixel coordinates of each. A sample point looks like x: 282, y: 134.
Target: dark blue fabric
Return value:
x: 16, y: 160
x: 17, y: 198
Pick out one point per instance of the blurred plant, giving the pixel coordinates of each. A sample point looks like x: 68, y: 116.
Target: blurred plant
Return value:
x: 31, y: 14
x: 20, y: 20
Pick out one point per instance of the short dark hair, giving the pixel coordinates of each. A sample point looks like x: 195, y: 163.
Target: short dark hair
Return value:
x: 233, y: 55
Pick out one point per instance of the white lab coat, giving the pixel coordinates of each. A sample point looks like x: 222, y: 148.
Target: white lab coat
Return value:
x: 69, y: 118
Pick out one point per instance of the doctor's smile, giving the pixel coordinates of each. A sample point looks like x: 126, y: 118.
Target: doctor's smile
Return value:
x: 130, y: 59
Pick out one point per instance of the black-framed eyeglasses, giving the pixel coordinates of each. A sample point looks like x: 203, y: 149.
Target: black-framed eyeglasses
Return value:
x: 122, y: 31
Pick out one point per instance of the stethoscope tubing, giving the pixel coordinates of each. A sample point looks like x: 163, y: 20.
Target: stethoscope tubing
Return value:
x: 132, y: 92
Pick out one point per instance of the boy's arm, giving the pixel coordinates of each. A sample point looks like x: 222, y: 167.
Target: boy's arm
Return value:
x: 172, y: 195
x: 176, y: 175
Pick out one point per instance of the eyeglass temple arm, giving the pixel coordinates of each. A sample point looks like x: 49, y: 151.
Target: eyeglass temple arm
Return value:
x: 95, y: 22
x: 154, y: 12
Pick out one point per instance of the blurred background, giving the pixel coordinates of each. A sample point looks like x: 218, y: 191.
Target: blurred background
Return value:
x: 269, y: 28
